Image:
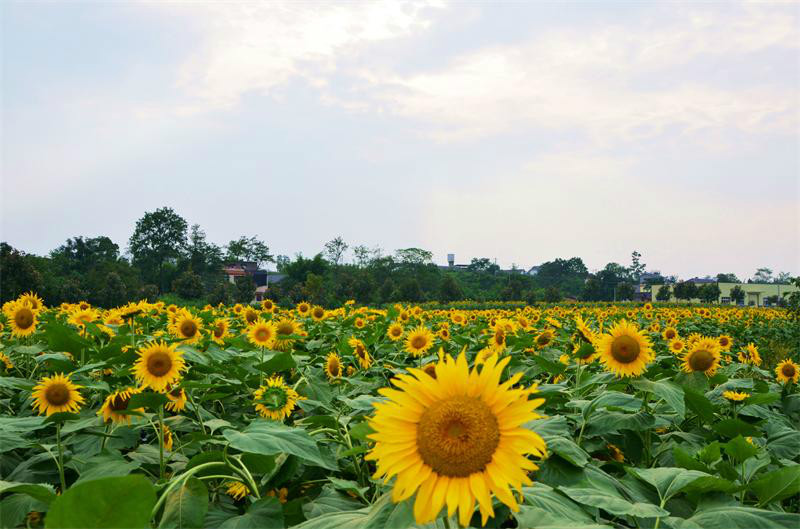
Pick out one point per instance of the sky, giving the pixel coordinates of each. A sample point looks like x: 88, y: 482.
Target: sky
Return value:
x: 516, y: 131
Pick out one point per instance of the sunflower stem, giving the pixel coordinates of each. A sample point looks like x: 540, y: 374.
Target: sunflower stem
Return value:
x: 197, y: 411
x: 60, y: 458
x: 161, y: 441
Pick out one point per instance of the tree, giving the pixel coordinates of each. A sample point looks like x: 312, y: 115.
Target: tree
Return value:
x: 624, y: 291
x: 414, y: 256
x: 449, y: 289
x: 159, y: 237
x: 783, y: 278
x: 792, y: 300
x: 568, y: 275
x: 248, y: 249
x: 245, y: 289
x: 685, y: 290
x: 334, y: 250
x: 114, y: 293
x: 223, y: 292
x: 188, y: 285
x: 483, y: 265
x: 281, y: 262
x: 17, y: 273
x: 762, y: 275
x: 552, y: 295
x: 313, y: 288
x: 737, y: 295
x: 637, y: 268
x: 362, y: 255
x: 709, y: 293
x: 204, y: 258
x: 727, y: 278
x: 664, y: 293
x: 410, y: 290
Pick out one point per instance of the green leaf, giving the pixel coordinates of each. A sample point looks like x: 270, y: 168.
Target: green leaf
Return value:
x: 739, y: 449
x: 149, y: 400
x: 615, y: 504
x: 265, y: 513
x: 186, y: 506
x: 736, y: 517
x: 777, y: 485
x: 733, y: 427
x: 604, y: 422
x: 329, y: 501
x: 270, y: 438
x: 567, y: 449
x: 41, y: 492
x: 106, y: 465
x: 669, y: 391
x: 63, y: 338
x: 279, y: 362
x: 698, y: 403
x: 545, y: 500
x: 784, y: 444
x: 62, y: 417
x: 668, y: 481
x: 361, y: 430
x: 15, y: 507
x: 118, y: 502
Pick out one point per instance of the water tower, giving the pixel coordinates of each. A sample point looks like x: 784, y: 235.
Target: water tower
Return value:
x: 451, y: 260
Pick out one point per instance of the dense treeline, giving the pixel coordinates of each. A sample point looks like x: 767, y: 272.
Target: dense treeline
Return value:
x: 167, y: 257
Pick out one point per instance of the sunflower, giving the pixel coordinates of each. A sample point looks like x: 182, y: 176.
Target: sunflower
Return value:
x: 735, y: 396
x: 236, y: 490
x: 220, y: 330
x: 187, y: 326
x: 318, y: 313
x: 544, y: 338
x: 333, y: 366
x: 616, y: 454
x: 177, y: 399
x: 497, y: 341
x: 725, y: 342
x: 787, y: 371
x: 676, y: 345
x: 444, y: 333
x: 81, y: 317
x: 282, y: 494
x: 458, y: 318
x: 249, y: 315
x: 395, y: 331
x: 430, y: 369
x: 261, y: 333
x: 32, y: 299
x: 456, y: 438
x: 360, y: 352
x: 159, y: 365
x: 6, y: 361
x: 275, y: 400
x: 749, y: 355
x: 586, y: 333
x: 56, y: 394
x: 22, y: 319
x: 670, y: 333
x: 166, y: 433
x: 625, y: 350
x: 267, y: 305
x: 360, y: 323
x: 419, y: 341
x: 284, y: 328
x: 117, y: 402
x: 703, y: 357
x: 303, y: 308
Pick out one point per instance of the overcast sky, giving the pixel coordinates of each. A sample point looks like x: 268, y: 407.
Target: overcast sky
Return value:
x: 516, y: 131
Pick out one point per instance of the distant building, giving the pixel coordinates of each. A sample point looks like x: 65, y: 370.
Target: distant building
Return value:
x: 755, y: 294
x: 261, y: 278
x: 532, y: 271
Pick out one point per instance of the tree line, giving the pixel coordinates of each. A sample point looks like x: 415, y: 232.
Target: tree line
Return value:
x: 167, y: 257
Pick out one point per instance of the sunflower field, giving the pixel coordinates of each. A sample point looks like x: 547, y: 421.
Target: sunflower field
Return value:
x: 569, y: 415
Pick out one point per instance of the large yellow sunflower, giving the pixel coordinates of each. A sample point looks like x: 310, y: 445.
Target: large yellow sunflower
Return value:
x: 159, y: 365
x: 22, y: 318
x: 187, y: 326
x: 284, y: 328
x: 56, y: 394
x: 117, y: 402
x: 456, y: 439
x: 333, y: 366
x: 261, y: 333
x: 32, y: 299
x: 275, y: 400
x: 625, y: 350
x: 318, y: 313
x: 703, y: 357
x: 419, y: 341
x: 250, y: 315
x: 787, y: 371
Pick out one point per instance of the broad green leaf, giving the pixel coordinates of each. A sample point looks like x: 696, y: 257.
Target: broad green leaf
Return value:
x: 15, y: 507
x: 604, y: 422
x: 668, y: 481
x: 186, y: 506
x: 63, y: 338
x: 279, y: 362
x: 117, y: 502
x: 270, y: 438
x: 330, y: 501
x: 148, y: 399
x: 737, y: 517
x: 777, y: 485
x: 547, y: 500
x: 667, y: 390
x: 615, y: 504
x: 265, y: 513
x: 568, y: 450
x: 785, y: 444
x: 41, y: 492
x: 739, y: 449
x: 732, y: 427
x: 698, y: 403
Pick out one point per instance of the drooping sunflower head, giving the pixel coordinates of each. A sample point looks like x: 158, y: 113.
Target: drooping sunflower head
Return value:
x: 318, y: 313
x: 615, y: 453
x: 625, y: 350
x: 333, y: 366
x: 419, y: 340
x: 118, y: 402
x: 187, y: 327
x: 703, y: 357
x: 585, y: 332
x: 360, y: 352
x: 544, y: 338
x: 787, y: 371
x: 456, y: 439
x: 159, y: 365
x: 166, y: 433
x: 275, y: 400
x: 177, y: 399
x: 735, y: 396
x: 749, y: 355
x: 261, y: 333
x: 236, y: 490
x: 22, y: 318
x: 395, y: 331
x: 56, y: 394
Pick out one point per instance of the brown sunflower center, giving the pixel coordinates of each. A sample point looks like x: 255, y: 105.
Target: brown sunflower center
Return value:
x: 360, y: 351
x: 701, y: 360
x: 670, y: 334
x: 23, y: 318
x: 262, y: 335
x: 159, y: 364
x: 543, y: 339
x: 219, y: 330
x: 458, y: 436
x: 119, y: 403
x: 625, y: 349
x: 430, y: 369
x: 788, y: 370
x: 499, y: 337
x: 188, y: 328
x: 418, y: 342
x: 396, y: 331
x: 251, y: 316
x: 723, y: 341
x: 319, y: 312
x: 57, y: 394
x: 334, y: 367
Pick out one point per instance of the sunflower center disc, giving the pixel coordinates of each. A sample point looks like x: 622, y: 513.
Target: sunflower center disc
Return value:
x: 262, y: 335
x: 701, y: 360
x: 670, y: 334
x: 24, y: 318
x: 188, y: 328
x: 57, y: 395
x: 120, y: 403
x: 159, y: 364
x: 418, y: 342
x: 543, y: 340
x: 218, y: 330
x: 625, y: 349
x: 788, y: 370
x: 458, y: 436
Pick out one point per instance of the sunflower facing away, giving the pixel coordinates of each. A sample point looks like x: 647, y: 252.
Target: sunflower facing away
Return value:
x: 749, y: 355
x: 703, y: 357
x: 159, y: 365
x: 177, y: 399
x: 787, y: 371
x: 419, y: 341
x: 261, y: 333
x: 455, y: 439
x: 117, y: 402
x: 56, y: 394
x: 625, y: 350
x: 22, y: 319
x: 275, y: 400
x: 333, y: 366
x: 187, y: 327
